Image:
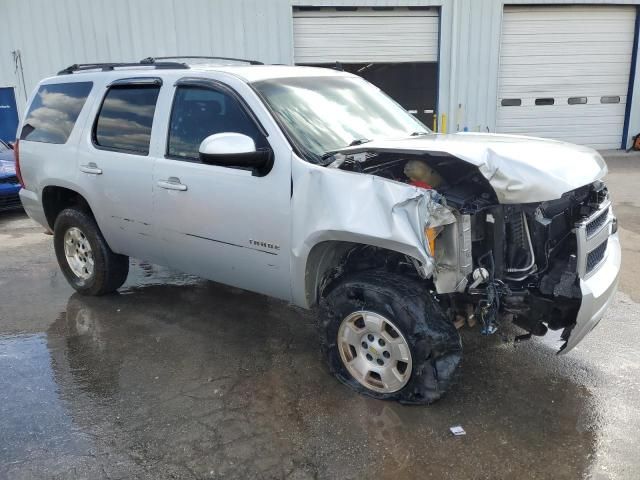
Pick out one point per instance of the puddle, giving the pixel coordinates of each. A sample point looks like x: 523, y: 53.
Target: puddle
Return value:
x: 203, y: 381
x: 35, y: 422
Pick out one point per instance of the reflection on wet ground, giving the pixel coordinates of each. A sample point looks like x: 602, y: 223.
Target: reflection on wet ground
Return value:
x: 33, y: 417
x: 181, y: 378
x: 196, y: 380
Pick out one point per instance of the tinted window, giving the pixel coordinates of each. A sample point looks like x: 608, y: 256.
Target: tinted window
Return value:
x: 125, y: 119
x: 54, y: 112
x: 200, y: 112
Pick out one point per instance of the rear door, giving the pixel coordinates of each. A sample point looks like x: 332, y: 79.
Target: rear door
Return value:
x: 226, y: 224
x: 116, y: 170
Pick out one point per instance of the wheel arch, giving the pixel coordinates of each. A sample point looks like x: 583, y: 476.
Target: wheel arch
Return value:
x: 328, y: 260
x: 56, y: 198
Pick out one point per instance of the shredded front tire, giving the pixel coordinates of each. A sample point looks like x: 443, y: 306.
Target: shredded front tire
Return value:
x: 405, y: 305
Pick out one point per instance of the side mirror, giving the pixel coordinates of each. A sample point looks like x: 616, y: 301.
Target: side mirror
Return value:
x: 235, y: 150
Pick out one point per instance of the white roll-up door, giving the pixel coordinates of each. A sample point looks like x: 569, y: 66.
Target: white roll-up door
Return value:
x: 365, y: 35
x: 564, y: 72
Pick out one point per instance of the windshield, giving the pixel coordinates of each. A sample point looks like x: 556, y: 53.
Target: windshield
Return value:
x: 324, y: 114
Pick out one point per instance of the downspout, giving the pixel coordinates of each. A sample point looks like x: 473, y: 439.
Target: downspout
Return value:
x: 632, y: 75
x: 436, y: 110
x: 17, y: 60
x: 453, y: 94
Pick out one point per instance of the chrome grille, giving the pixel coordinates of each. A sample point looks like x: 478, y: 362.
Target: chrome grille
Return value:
x: 597, y: 223
x: 596, y: 256
x: 592, y: 234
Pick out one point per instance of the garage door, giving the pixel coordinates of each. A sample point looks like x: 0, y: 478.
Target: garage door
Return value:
x: 393, y: 48
x: 564, y: 72
x: 365, y: 35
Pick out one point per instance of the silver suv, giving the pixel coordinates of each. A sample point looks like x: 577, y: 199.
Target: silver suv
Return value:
x: 313, y: 186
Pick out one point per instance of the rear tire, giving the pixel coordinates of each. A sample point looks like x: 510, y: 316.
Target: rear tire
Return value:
x: 399, y: 304
x: 84, y: 257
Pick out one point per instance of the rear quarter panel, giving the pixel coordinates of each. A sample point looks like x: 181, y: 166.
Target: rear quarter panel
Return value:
x: 48, y: 164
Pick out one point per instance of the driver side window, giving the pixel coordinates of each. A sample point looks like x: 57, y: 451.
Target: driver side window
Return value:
x: 199, y: 112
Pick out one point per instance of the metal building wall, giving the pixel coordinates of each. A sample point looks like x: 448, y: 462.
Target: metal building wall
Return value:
x: 474, y: 71
x: 54, y: 33
x: 469, y: 54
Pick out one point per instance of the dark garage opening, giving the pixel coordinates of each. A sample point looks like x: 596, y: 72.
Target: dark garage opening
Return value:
x: 414, y: 85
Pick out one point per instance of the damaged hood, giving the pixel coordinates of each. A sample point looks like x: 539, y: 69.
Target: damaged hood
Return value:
x: 520, y: 169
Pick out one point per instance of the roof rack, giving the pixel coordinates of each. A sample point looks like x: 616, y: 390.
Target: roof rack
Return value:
x: 153, y: 60
x: 107, y: 67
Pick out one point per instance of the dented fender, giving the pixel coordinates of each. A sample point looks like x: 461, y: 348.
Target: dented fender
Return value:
x: 331, y: 204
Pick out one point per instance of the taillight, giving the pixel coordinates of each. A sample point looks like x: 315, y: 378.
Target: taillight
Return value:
x: 16, y: 152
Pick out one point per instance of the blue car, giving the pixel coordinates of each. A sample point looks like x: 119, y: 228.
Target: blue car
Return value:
x: 9, y: 185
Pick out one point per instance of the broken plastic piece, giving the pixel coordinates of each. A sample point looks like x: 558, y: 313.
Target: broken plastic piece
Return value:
x: 422, y: 175
x: 488, y: 329
x: 480, y: 275
x: 457, y: 430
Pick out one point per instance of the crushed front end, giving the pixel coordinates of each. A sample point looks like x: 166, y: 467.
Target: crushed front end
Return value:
x: 542, y: 265
x: 547, y: 265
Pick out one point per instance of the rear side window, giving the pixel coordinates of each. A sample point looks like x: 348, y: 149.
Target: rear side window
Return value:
x: 200, y: 112
x: 125, y: 118
x: 54, y: 111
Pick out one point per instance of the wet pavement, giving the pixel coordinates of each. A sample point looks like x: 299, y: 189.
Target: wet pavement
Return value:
x: 176, y: 377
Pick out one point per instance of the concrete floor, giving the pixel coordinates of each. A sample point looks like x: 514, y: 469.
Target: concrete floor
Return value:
x: 176, y: 377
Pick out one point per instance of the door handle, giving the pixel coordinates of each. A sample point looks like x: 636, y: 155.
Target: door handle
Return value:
x: 91, y: 168
x: 172, y: 183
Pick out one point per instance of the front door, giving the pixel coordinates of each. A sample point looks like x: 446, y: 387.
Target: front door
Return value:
x: 225, y: 224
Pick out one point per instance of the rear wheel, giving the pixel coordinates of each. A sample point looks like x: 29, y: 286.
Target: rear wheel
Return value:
x: 84, y: 257
x: 385, y: 336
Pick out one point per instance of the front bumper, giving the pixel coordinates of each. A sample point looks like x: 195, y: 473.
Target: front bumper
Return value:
x: 597, y: 293
x: 9, y: 198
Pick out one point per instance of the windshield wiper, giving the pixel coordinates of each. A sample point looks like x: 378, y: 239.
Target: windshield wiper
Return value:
x: 359, y: 141
x: 418, y: 134
x: 354, y: 143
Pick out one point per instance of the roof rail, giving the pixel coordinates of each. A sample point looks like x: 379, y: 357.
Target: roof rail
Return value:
x: 106, y: 67
x: 153, y: 60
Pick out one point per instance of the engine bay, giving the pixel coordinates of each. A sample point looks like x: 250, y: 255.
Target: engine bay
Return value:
x: 518, y: 262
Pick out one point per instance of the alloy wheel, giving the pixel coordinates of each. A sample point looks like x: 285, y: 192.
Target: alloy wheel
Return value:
x: 374, y: 351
